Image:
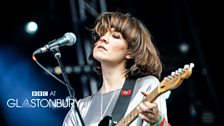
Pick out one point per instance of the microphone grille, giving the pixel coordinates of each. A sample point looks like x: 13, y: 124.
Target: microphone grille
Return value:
x: 71, y: 38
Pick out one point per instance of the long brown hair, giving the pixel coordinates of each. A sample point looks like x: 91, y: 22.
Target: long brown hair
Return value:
x: 145, y: 57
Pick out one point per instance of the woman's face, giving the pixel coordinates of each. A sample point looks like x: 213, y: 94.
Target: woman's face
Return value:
x: 111, y: 48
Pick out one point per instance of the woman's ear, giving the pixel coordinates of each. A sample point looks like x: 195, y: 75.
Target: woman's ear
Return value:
x: 128, y: 56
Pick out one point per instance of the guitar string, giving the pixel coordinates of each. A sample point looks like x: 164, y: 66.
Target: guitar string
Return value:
x: 101, y: 100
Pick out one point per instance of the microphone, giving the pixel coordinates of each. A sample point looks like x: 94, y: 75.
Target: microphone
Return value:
x: 68, y: 39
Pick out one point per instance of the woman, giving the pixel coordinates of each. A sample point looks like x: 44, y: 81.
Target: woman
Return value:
x: 123, y: 49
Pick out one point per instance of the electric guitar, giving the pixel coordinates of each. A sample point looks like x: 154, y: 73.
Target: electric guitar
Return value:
x: 168, y: 83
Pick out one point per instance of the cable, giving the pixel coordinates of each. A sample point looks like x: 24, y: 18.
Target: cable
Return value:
x: 34, y: 58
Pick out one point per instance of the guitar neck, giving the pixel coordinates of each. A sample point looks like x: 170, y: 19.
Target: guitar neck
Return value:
x: 134, y: 113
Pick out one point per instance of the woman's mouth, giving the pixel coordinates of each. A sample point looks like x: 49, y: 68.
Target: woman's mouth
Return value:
x: 101, y: 47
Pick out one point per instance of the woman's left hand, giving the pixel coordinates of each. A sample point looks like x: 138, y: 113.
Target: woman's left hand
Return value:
x: 148, y: 111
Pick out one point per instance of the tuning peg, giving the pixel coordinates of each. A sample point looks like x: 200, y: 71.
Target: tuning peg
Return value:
x: 180, y: 70
x: 170, y: 77
x: 173, y: 73
x: 186, y: 66
x: 177, y: 72
x: 191, y: 65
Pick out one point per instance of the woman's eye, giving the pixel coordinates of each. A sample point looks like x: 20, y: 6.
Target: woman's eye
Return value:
x: 116, y: 36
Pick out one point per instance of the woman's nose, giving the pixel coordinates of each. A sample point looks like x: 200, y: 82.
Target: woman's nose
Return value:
x: 104, y: 38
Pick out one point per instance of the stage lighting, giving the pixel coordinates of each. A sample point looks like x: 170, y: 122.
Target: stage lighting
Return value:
x: 31, y: 27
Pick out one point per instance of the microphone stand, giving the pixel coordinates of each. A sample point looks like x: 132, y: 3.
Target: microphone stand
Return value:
x: 71, y: 91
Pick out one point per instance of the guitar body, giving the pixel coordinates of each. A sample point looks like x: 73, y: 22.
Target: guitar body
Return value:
x: 107, y: 121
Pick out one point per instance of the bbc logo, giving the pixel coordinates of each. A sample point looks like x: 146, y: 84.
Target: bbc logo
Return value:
x: 39, y: 93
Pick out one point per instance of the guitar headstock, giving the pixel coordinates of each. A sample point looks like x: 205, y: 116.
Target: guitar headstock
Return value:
x: 176, y: 78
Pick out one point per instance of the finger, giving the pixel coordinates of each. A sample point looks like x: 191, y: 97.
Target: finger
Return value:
x: 144, y: 108
x: 138, y: 109
x: 143, y: 117
x: 150, y: 105
x: 145, y: 93
x: 150, y: 118
x: 153, y: 107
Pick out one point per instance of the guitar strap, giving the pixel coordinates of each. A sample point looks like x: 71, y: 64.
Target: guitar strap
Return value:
x: 123, y: 100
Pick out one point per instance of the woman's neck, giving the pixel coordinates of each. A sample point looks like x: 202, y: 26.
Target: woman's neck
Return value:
x: 113, y: 79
